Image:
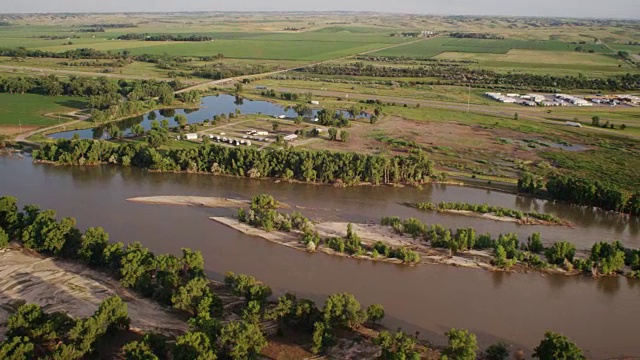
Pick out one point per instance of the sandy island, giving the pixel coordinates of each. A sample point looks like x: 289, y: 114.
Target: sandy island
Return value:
x: 75, y: 289
x: 369, y: 235
x: 489, y: 216
x: 211, y: 202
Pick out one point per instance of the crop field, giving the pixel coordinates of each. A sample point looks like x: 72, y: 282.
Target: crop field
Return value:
x: 321, y: 44
x: 436, y: 46
x: 30, y: 109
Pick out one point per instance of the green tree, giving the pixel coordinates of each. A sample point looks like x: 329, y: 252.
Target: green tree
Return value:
x: 189, y: 296
x: 238, y: 88
x: 555, y: 346
x: 499, y: 351
x: 181, y: 120
x: 4, y: 238
x: 375, y: 313
x: 275, y: 126
x: 595, y: 121
x: 137, y: 350
x: 333, y: 134
x: 516, y: 116
x: 534, y: 243
x: 608, y: 258
x: 342, y: 310
x: 344, y: 136
x: 137, y: 130
x: 397, y: 347
x: 500, y: 258
x: 462, y: 345
x: 92, y: 246
x: 560, y: 251
x: 242, y: 340
x: 9, y: 214
x: 18, y: 347
x: 193, y: 346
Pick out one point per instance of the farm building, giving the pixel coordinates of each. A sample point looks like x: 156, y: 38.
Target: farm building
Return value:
x: 262, y: 133
x: 290, y: 137
x: 574, y: 124
x: 191, y: 136
x: 313, y: 102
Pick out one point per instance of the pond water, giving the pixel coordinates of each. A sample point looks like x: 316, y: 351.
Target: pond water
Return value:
x: 210, y: 106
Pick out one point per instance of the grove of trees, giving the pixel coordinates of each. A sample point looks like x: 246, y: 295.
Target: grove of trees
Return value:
x: 303, y: 165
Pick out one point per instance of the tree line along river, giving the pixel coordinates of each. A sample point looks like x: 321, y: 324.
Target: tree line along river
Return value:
x: 517, y: 308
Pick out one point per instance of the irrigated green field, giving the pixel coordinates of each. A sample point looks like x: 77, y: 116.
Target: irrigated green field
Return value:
x: 436, y: 46
x: 323, y: 44
x: 30, y: 110
x: 546, y: 62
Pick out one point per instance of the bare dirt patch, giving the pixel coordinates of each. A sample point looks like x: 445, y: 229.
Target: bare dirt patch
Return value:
x: 74, y: 289
x: 12, y: 129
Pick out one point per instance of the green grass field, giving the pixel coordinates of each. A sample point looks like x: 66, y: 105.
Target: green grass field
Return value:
x: 30, y: 110
x: 545, y: 62
x: 438, y: 45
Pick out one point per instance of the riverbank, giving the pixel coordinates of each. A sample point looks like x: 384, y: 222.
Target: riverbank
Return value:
x: 72, y: 288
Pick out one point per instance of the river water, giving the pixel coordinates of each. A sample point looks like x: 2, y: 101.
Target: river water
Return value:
x: 599, y: 315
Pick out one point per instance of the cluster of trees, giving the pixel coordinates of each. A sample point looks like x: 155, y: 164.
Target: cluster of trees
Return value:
x: 263, y: 214
x: 34, y: 334
x: 452, y: 73
x: 88, y: 87
x: 164, y: 37
x: 227, y: 70
x: 303, y: 165
x: 485, y: 209
x: 472, y: 35
x: 581, y: 191
x: 605, y: 258
x: 595, y: 121
x: 177, y: 282
x: 170, y: 280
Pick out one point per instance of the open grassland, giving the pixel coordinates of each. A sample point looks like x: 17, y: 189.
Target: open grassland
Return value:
x: 31, y: 109
x: 621, y: 167
x: 439, y: 45
x: 545, y: 62
x: 255, y: 49
x: 423, y: 92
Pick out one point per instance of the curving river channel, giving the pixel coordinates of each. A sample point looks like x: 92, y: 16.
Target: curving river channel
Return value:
x: 601, y: 315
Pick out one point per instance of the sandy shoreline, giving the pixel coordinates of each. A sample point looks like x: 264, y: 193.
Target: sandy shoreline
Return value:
x: 75, y: 289
x: 201, y: 201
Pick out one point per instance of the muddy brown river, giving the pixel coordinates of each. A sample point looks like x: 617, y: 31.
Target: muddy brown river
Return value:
x: 601, y: 315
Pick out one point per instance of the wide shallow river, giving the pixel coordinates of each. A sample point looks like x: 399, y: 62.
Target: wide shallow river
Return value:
x: 601, y: 315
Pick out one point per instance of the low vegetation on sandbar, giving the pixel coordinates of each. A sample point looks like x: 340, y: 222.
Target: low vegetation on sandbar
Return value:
x: 493, y: 212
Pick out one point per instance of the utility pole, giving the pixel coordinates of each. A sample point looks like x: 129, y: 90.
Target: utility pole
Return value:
x: 469, y: 100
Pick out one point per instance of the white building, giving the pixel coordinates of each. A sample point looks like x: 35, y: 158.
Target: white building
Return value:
x: 313, y: 102
x: 191, y: 136
x: 290, y: 137
x: 262, y: 133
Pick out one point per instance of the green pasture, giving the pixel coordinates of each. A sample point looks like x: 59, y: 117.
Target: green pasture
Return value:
x: 30, y: 110
x: 438, y: 45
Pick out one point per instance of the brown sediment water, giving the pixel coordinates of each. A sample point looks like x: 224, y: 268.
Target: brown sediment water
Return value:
x: 517, y: 308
